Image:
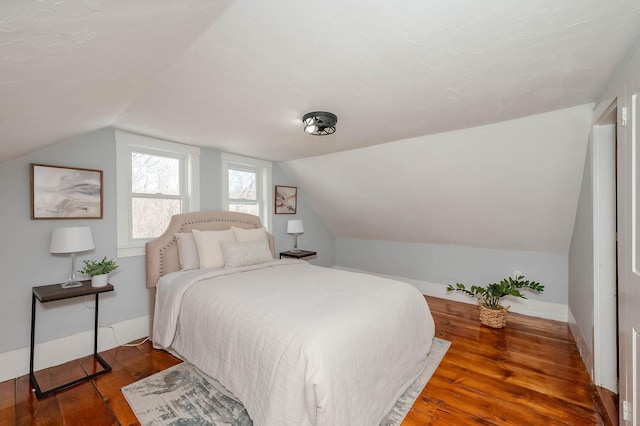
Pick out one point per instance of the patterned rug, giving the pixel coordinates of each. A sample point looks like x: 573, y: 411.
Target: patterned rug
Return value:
x: 183, y: 395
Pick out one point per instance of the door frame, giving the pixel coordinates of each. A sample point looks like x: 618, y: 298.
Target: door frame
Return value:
x: 605, y: 312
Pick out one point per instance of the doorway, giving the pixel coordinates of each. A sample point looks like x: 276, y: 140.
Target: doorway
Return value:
x: 605, y: 313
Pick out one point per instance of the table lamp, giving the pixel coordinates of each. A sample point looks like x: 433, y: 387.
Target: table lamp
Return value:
x: 71, y: 240
x: 295, y: 228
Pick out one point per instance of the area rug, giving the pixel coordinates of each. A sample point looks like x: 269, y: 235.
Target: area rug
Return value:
x: 183, y: 395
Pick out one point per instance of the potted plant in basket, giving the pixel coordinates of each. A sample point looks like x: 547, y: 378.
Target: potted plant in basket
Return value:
x: 492, y: 313
x: 99, y: 270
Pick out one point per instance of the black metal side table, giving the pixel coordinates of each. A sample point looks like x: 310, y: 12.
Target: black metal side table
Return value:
x: 50, y: 293
x: 300, y: 254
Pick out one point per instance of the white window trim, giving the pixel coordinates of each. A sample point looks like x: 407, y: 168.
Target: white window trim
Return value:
x: 263, y: 183
x: 125, y: 142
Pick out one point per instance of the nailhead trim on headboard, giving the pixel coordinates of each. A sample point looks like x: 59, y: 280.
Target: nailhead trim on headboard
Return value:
x: 195, y: 222
x: 157, y: 267
x: 162, y: 247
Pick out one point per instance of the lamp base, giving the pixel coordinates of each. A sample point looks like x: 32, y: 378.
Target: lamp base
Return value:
x: 295, y: 244
x: 72, y: 281
x: 71, y: 284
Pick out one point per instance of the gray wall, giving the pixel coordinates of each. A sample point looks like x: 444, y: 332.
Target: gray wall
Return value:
x: 25, y: 256
x: 448, y: 264
x: 316, y: 237
x: 26, y: 261
x: 581, y: 257
x: 210, y: 175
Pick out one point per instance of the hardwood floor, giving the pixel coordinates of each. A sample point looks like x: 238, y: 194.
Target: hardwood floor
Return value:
x: 529, y: 373
x: 608, y: 403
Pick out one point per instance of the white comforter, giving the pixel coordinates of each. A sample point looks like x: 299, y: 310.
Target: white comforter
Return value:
x: 299, y: 344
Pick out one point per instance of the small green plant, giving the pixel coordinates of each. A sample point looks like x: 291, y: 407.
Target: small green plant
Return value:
x: 95, y: 267
x: 490, y: 295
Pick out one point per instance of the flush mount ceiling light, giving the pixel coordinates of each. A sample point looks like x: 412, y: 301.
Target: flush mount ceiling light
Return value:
x: 319, y: 123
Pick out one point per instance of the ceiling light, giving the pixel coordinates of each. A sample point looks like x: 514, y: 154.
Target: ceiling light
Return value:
x: 319, y: 123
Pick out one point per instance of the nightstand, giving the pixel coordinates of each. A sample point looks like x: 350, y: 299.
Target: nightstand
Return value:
x: 50, y: 293
x: 297, y: 254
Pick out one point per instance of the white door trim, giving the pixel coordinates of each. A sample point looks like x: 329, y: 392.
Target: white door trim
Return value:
x: 605, y: 351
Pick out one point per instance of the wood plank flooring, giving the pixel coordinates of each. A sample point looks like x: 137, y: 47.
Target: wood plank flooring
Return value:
x: 608, y: 402
x: 529, y: 373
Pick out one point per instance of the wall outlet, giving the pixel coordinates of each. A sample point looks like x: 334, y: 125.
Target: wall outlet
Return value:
x: 516, y: 274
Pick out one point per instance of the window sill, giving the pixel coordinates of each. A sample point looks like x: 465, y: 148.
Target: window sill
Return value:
x: 130, y: 251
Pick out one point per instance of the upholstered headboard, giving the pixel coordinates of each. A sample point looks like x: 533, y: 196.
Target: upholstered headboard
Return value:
x: 162, y: 253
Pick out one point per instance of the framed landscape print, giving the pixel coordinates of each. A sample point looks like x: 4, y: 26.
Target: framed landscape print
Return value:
x: 65, y: 192
x: 286, y: 199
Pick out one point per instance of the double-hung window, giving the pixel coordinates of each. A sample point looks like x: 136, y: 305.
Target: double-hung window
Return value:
x: 245, y: 186
x: 155, y: 180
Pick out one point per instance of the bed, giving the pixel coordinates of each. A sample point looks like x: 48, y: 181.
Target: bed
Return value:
x: 297, y: 344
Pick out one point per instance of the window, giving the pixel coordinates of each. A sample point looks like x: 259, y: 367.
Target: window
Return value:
x: 156, y: 193
x: 245, y: 186
x: 155, y: 180
x: 242, y: 191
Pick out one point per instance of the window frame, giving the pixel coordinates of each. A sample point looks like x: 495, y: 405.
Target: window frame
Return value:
x: 189, y: 157
x: 244, y: 168
x: 262, y: 170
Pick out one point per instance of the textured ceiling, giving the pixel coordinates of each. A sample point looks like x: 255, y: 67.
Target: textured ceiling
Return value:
x: 388, y: 72
x: 512, y: 185
x: 69, y: 67
x: 238, y: 75
x: 416, y: 86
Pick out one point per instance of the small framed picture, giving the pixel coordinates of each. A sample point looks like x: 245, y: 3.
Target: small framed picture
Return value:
x: 286, y: 199
x: 65, y: 192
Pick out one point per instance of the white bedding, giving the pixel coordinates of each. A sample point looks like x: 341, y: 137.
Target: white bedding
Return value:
x: 298, y: 344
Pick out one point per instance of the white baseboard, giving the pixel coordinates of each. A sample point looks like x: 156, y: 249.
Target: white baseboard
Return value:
x: 581, y: 343
x: 55, y: 352
x: 536, y: 308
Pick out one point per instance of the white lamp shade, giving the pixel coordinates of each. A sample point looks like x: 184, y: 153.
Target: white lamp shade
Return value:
x: 295, y: 227
x: 71, y: 240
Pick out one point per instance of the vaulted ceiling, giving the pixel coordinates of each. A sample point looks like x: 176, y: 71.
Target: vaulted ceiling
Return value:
x: 239, y: 75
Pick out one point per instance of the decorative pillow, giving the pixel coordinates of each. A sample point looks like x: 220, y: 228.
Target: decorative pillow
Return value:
x: 187, y: 251
x: 208, y: 243
x: 243, y: 235
x: 246, y: 253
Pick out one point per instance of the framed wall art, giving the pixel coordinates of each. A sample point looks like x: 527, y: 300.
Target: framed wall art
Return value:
x: 286, y: 199
x: 59, y: 192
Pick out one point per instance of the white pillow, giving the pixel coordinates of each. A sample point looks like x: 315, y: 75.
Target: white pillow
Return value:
x: 187, y: 251
x: 246, y: 253
x: 208, y: 243
x: 243, y: 234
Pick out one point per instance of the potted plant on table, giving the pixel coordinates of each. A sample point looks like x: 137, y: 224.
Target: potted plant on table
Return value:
x: 492, y: 313
x: 99, y: 270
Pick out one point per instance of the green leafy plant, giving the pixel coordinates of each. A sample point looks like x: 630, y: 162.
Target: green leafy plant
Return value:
x: 490, y: 295
x: 98, y: 267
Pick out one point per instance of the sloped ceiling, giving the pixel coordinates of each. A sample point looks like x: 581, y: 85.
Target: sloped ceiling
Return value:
x: 69, y: 67
x: 238, y: 75
x: 512, y: 185
x: 388, y: 71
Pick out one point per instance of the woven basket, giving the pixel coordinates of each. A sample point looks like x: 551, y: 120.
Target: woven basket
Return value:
x: 495, y: 318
